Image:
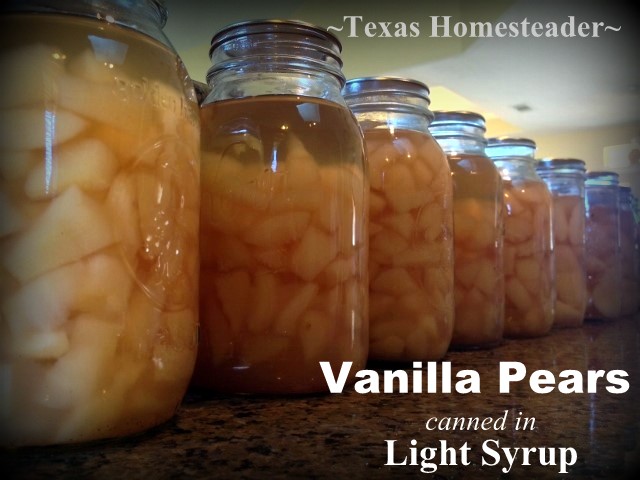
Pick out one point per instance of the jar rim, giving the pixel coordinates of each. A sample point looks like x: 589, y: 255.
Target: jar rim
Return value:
x: 601, y: 173
x: 464, y: 117
x: 387, y: 84
x: 506, y: 141
x: 258, y: 26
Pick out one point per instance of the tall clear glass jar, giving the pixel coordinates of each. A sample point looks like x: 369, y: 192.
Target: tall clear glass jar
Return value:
x: 478, y: 230
x: 565, y: 178
x: 528, y: 244
x: 285, y: 198
x: 604, y: 263
x: 630, y: 284
x: 99, y: 176
x: 410, y: 221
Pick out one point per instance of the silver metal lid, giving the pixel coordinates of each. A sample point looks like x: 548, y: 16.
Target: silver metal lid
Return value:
x: 561, y: 164
x: 460, y: 117
x: 400, y: 85
x: 276, y: 26
x: 505, y: 141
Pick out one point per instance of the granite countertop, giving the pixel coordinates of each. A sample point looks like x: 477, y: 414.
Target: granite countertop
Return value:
x: 345, y: 435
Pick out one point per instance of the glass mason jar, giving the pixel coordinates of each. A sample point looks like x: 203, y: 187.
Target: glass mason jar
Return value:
x: 630, y: 284
x: 565, y: 179
x: 528, y: 245
x: 410, y: 221
x: 478, y: 230
x: 604, y: 263
x: 284, y: 248
x: 99, y: 175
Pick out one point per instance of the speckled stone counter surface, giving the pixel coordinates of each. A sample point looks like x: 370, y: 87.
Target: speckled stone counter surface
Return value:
x: 344, y: 435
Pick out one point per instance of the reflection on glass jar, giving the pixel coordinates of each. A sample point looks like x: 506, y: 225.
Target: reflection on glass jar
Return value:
x: 478, y: 230
x: 565, y: 179
x: 410, y: 221
x: 630, y: 301
x: 284, y: 245
x: 98, y: 190
x: 528, y: 247
x: 604, y: 267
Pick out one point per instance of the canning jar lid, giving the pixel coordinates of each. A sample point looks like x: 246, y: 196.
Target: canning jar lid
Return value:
x: 558, y: 164
x: 273, y: 44
x: 460, y: 117
x: 401, y: 85
x: 507, y: 148
x: 511, y: 142
x: 392, y: 94
x: 602, y: 178
x: 113, y: 11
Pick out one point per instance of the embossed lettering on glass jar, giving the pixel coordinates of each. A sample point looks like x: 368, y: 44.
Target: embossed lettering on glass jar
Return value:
x: 565, y: 179
x: 99, y: 176
x: 410, y: 221
x: 284, y: 246
x: 478, y: 227
x: 528, y: 245
x: 604, y: 267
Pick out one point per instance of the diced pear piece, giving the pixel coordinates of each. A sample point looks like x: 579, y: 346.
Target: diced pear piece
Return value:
x: 88, y: 163
x: 116, y: 106
x: 106, y: 285
x: 487, y: 278
x: 402, y: 223
x: 560, y: 225
x: 576, y: 223
x: 122, y: 208
x: 44, y: 303
x: 73, y: 226
x: 517, y: 294
x: 388, y: 243
x: 28, y: 74
x: 517, y: 229
x: 264, y: 302
x: 285, y: 322
x: 394, y: 281
x: 41, y: 345
x: 26, y: 129
x: 15, y: 165
x: 300, y: 165
x: 466, y: 273
x: 416, y: 256
x: 75, y: 378
x: 93, y: 64
x: 234, y: 290
x: 174, y: 350
x: 11, y: 218
x: 606, y: 298
x: 313, y: 253
x: 141, y: 326
x: 401, y: 191
x: 278, y: 230
x: 315, y: 334
x: 225, y: 252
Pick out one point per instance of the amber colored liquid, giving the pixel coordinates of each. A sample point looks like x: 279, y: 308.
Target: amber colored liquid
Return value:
x: 98, y: 259
x: 411, y: 248
x: 284, y: 245
x: 478, y: 250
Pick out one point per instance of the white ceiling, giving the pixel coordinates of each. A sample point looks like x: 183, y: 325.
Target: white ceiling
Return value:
x: 569, y: 83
